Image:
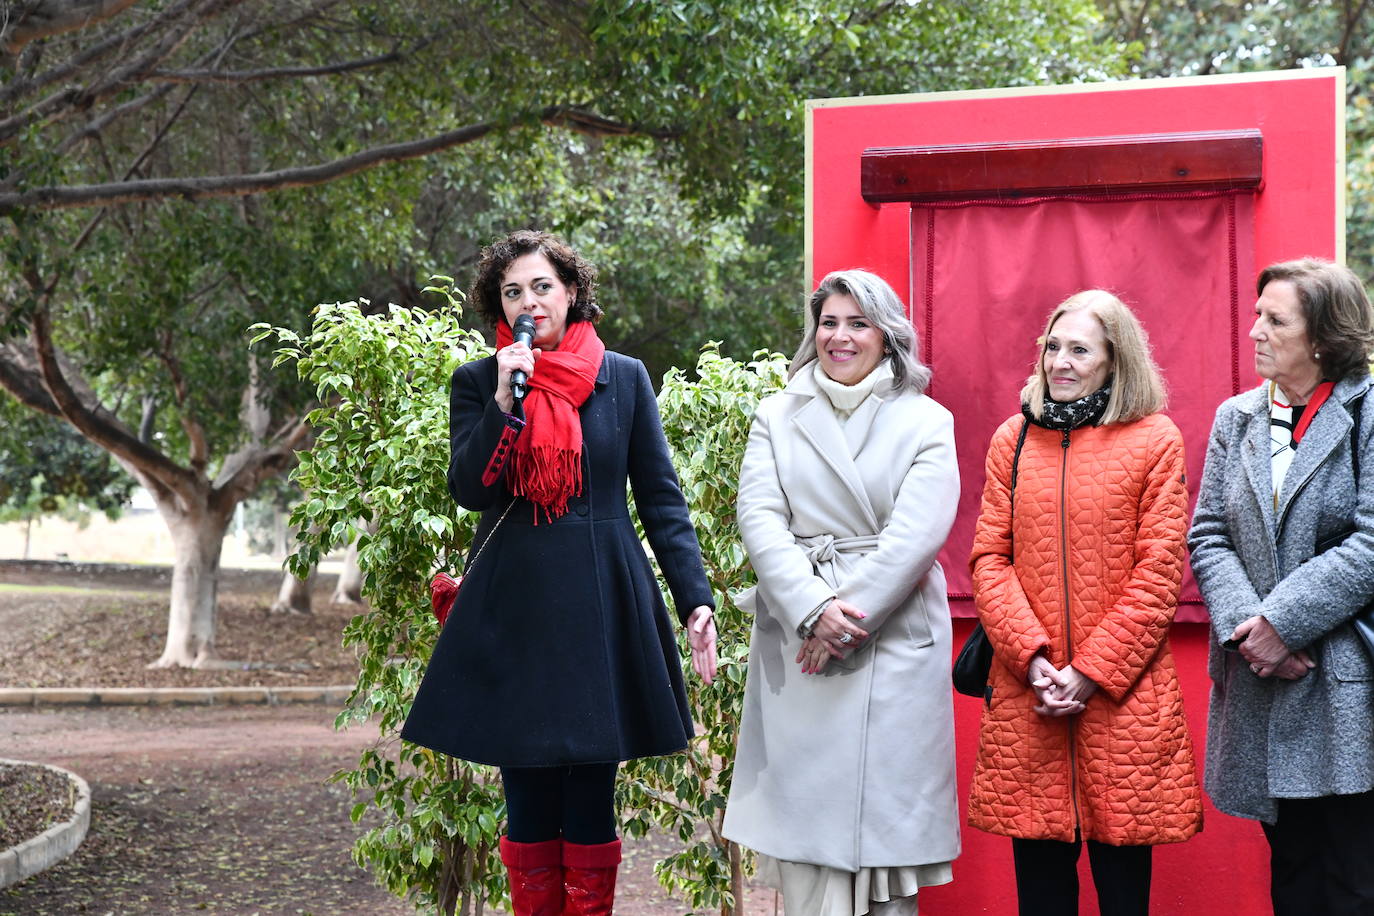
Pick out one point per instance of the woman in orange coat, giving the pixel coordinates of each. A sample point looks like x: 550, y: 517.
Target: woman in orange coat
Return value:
x: 1077, y: 561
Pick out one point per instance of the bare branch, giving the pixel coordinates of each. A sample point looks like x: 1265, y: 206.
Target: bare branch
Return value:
x: 95, y: 221
x: 199, y: 450
x: 251, y: 465
x: 120, y: 192
x: 253, y: 413
x: 1351, y: 23
x: 253, y: 76
x: 46, y: 18
x: 19, y: 376
x: 117, y: 42
x: 147, y: 418
x: 60, y: 104
x: 96, y: 125
x: 98, y: 425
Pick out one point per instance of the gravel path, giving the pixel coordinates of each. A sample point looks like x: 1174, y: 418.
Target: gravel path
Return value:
x: 226, y: 810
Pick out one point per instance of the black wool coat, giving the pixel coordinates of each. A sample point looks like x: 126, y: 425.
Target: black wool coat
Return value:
x: 559, y: 649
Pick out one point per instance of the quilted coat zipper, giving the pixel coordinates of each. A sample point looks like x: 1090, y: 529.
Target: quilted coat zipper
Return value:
x: 1068, y: 617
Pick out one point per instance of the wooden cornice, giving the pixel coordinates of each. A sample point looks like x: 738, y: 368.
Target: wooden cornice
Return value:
x: 1198, y: 160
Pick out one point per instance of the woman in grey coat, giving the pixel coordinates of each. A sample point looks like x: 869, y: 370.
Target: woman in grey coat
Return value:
x: 1283, y: 549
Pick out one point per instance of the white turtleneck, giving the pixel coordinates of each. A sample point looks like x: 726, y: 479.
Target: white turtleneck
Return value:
x: 845, y: 399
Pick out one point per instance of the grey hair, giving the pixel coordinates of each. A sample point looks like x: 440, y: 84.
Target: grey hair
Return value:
x: 884, y: 309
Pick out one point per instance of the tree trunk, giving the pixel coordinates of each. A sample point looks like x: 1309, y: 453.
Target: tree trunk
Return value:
x: 294, y: 595
x: 197, y: 538
x: 350, y: 587
x: 28, y: 535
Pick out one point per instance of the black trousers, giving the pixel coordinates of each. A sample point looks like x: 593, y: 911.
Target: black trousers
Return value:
x: 576, y: 803
x: 1047, y: 877
x: 1321, y: 856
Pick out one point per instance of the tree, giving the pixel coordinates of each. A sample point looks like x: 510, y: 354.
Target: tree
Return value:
x: 171, y: 171
x: 47, y: 468
x: 706, y: 418
x: 380, y: 453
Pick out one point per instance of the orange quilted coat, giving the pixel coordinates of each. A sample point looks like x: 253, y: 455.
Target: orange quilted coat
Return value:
x: 1099, y: 546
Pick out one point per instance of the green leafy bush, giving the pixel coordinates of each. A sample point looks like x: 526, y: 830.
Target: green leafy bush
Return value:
x: 380, y: 453
x: 707, y: 423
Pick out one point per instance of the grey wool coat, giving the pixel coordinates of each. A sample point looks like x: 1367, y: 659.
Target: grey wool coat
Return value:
x: 1271, y: 738
x: 853, y: 767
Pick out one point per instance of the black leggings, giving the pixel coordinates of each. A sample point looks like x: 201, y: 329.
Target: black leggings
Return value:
x: 1047, y: 877
x: 576, y: 803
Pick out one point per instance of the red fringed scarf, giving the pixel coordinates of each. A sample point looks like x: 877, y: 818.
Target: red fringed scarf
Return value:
x: 546, y: 467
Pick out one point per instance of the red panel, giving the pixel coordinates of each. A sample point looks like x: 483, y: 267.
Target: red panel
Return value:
x: 1298, y: 116
x: 999, y: 270
x: 1207, y: 160
x: 1294, y: 214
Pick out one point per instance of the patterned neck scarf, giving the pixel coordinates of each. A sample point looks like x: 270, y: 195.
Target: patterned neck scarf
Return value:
x: 1066, y: 415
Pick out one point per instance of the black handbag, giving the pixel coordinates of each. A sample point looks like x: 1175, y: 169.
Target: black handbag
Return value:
x: 1363, y: 621
x: 974, y: 662
x: 971, y: 667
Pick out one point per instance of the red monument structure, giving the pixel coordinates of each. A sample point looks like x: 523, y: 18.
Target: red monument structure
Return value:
x: 987, y: 208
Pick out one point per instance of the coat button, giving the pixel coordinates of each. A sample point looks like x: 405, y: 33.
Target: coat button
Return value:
x: 581, y: 508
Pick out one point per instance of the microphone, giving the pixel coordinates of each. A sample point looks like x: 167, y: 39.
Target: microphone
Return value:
x: 523, y: 331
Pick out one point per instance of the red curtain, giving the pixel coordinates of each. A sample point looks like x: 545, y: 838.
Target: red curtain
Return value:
x: 986, y: 275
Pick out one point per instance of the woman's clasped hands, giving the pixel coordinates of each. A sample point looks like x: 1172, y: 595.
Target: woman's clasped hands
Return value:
x: 1261, y: 646
x: 833, y: 633
x: 1061, y: 691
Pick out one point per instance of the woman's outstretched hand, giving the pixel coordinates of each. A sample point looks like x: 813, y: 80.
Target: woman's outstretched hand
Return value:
x: 701, y: 636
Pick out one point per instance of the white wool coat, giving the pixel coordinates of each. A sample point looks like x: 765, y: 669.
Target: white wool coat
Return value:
x: 854, y: 767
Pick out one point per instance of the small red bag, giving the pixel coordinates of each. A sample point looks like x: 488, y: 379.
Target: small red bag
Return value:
x: 443, y: 588
x: 443, y: 591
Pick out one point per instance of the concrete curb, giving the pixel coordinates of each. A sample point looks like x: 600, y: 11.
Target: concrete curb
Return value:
x: 52, y: 845
x: 170, y: 696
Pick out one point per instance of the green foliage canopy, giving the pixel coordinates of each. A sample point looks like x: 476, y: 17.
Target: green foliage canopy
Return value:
x: 46, y: 467
x: 171, y: 171
x: 1186, y: 38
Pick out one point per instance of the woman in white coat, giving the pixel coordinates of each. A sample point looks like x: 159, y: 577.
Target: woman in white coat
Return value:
x: 844, y: 777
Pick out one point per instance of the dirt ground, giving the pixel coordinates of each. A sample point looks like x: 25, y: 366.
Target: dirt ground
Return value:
x: 80, y: 625
x: 205, y: 809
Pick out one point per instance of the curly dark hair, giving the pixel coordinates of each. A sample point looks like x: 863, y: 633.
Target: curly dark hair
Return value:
x: 1340, y: 323
x: 572, y: 270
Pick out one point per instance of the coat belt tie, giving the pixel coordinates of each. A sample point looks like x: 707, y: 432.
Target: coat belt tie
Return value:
x: 822, y: 548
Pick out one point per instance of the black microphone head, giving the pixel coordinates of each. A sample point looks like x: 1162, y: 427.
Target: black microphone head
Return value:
x: 524, y: 329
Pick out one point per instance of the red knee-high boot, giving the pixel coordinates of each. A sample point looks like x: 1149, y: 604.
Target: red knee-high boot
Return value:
x: 589, y: 878
x: 536, y: 877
